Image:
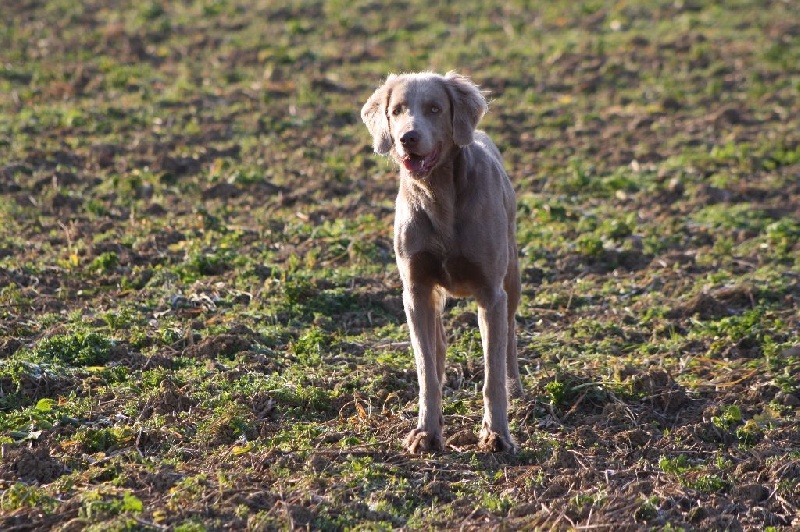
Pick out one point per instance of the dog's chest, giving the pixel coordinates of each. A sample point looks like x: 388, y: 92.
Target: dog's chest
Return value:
x: 427, y: 254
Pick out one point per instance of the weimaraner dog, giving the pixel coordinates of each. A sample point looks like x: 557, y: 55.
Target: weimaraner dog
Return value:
x: 454, y: 233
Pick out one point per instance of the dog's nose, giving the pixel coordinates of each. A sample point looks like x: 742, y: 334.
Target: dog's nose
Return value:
x: 409, y: 138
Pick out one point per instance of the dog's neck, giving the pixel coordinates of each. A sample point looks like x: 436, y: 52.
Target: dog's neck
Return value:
x: 436, y: 194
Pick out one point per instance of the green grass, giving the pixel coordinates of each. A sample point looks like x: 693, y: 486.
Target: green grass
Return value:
x: 200, y: 317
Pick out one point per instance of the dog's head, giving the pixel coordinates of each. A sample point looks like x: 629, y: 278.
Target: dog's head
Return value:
x: 418, y: 117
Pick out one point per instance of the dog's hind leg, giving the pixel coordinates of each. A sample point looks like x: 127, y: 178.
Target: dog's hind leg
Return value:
x: 513, y: 289
x: 493, y: 322
x: 440, y: 298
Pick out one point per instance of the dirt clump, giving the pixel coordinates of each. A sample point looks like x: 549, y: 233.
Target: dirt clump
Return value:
x: 9, y: 346
x: 462, y: 439
x: 222, y: 191
x: 217, y: 346
x: 704, y: 306
x: 170, y: 399
x: 31, y: 465
x: 661, y: 390
x: 754, y: 493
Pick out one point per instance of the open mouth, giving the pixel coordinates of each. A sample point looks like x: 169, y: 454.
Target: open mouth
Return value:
x: 421, y: 165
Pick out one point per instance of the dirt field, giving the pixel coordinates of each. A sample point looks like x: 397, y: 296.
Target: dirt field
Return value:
x: 200, y: 317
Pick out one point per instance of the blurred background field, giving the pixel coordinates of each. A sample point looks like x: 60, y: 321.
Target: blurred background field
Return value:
x: 200, y: 317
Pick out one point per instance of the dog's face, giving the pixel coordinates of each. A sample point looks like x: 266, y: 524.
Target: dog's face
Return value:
x: 418, y: 112
x: 418, y: 118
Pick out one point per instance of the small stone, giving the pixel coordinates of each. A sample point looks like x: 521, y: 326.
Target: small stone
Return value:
x: 788, y: 399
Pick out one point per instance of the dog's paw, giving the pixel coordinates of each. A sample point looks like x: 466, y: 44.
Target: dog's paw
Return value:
x: 420, y: 441
x: 492, y: 442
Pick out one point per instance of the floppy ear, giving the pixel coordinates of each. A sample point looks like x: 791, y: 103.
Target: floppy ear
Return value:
x: 374, y: 116
x: 469, y: 106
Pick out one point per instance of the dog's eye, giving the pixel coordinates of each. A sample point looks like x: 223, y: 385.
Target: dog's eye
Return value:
x: 435, y: 109
x: 397, y: 110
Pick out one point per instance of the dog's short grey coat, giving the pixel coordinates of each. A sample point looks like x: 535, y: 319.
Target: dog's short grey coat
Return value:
x: 454, y: 233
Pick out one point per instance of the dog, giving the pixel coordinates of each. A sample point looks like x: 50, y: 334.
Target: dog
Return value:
x: 454, y: 234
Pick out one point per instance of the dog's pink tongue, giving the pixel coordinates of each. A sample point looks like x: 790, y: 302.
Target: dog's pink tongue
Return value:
x: 414, y: 164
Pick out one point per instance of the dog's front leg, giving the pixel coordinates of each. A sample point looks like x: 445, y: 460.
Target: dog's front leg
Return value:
x: 493, y: 323
x: 421, y: 312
